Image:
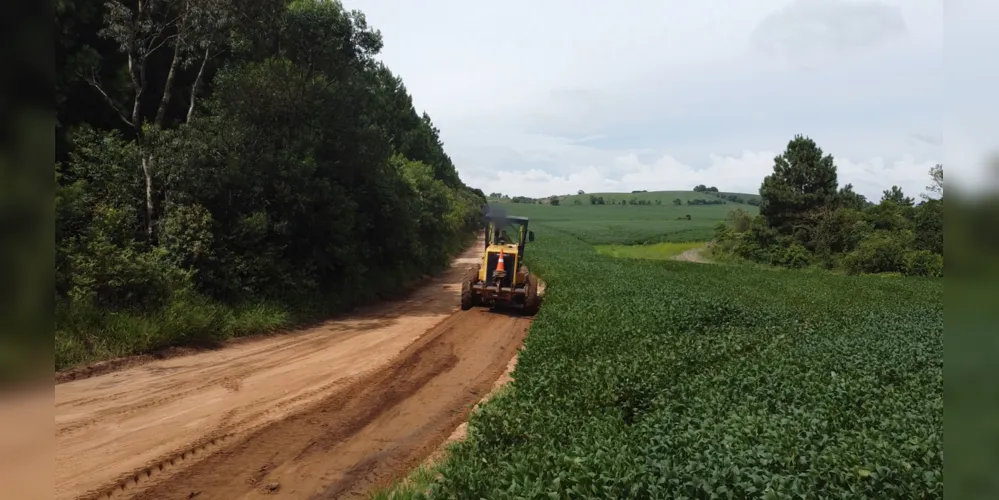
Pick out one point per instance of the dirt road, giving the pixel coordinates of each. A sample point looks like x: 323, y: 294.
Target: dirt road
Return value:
x: 330, y: 412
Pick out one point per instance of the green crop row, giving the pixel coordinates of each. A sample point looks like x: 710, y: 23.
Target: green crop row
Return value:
x: 631, y: 225
x: 659, y: 379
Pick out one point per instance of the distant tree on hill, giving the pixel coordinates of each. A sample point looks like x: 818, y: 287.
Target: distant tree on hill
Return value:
x: 580, y: 192
x: 659, y: 202
x: 678, y: 201
x: 706, y: 202
x: 700, y: 188
x: 553, y: 201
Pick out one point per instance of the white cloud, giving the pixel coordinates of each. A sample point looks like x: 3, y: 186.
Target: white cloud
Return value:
x: 742, y: 173
x: 538, y: 98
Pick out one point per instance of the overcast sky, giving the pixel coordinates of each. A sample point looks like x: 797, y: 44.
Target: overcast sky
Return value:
x: 548, y: 97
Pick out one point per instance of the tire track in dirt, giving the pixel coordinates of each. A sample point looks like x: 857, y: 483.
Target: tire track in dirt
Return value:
x: 367, y: 435
x: 330, y: 411
x: 228, y: 376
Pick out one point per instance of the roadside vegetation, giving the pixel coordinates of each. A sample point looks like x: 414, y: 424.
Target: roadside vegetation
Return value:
x: 226, y: 168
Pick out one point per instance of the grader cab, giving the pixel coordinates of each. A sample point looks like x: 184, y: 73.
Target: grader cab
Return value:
x: 501, y: 279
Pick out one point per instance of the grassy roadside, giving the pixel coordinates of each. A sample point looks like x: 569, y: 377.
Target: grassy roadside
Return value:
x: 86, y: 335
x: 657, y: 251
x: 413, y: 487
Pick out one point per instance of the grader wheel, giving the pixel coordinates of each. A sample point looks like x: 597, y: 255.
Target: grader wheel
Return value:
x: 468, y: 298
x: 531, y: 301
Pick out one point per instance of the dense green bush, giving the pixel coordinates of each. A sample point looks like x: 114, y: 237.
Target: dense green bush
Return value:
x: 658, y: 379
x: 880, y: 253
x: 923, y: 263
x: 805, y: 220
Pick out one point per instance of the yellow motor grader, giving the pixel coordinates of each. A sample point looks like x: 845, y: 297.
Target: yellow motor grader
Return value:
x: 502, y: 279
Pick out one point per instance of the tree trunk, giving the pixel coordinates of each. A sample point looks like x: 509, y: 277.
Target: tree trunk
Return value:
x: 168, y: 87
x: 194, y: 88
x: 138, y: 88
x: 147, y: 171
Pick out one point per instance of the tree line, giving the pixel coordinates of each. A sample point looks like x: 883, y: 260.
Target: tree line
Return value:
x: 806, y: 219
x: 213, y: 154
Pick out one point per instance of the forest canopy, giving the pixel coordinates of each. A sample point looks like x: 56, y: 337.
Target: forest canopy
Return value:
x: 214, y: 156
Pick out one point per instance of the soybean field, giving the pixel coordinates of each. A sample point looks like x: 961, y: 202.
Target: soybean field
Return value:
x: 631, y: 224
x: 646, y: 378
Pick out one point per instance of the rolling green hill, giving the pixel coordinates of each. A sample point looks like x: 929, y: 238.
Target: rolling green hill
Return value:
x: 663, y: 197
x: 631, y: 224
x: 635, y: 218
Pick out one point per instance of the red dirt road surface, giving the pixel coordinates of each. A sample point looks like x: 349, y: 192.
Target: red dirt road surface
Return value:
x: 329, y: 412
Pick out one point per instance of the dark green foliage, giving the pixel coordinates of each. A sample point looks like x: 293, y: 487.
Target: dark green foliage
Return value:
x: 803, y: 181
x: 305, y: 181
x: 848, y: 198
x: 706, y: 202
x: 896, y: 196
x: 805, y: 221
x: 658, y: 379
x: 928, y: 225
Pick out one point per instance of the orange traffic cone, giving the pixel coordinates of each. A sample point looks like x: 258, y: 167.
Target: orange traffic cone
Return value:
x: 499, y: 264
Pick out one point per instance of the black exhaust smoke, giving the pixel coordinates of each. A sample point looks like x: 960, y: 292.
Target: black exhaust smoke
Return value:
x: 497, y: 214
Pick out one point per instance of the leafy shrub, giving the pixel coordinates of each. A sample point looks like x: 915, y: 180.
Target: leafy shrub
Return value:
x: 795, y: 256
x: 880, y: 253
x: 923, y: 263
x: 186, y: 234
x: 109, y: 270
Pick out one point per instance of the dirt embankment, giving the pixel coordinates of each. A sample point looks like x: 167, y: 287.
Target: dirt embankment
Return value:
x: 329, y: 412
